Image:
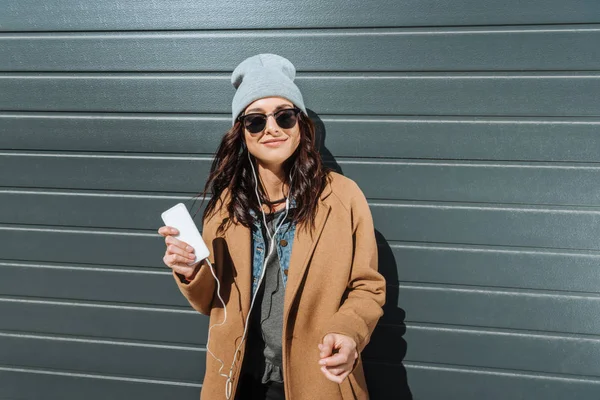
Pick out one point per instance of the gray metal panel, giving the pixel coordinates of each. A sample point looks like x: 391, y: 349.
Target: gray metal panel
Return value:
x: 457, y: 181
x: 455, y: 49
x: 27, y: 383
x: 27, y: 15
x: 109, y: 357
x: 489, y: 266
x: 498, y: 225
x: 493, y: 182
x: 73, y: 209
x: 513, y: 350
x: 104, y: 320
x: 511, y: 139
x: 90, y: 282
x: 97, y: 246
x: 484, y: 94
x: 517, y: 309
x: 455, y: 382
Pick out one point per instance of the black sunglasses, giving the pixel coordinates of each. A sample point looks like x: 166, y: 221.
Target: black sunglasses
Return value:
x: 256, y: 122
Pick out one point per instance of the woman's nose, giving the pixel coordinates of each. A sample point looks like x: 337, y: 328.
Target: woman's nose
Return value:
x: 272, y: 126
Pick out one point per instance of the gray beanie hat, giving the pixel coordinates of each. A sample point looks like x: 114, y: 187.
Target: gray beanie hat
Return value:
x: 264, y: 75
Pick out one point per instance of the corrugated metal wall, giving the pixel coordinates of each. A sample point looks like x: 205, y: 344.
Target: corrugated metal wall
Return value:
x: 471, y: 126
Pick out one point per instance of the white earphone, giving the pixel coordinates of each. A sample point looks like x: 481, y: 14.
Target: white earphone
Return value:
x: 229, y: 376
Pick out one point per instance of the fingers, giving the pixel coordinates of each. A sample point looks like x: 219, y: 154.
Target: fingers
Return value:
x: 178, y: 243
x: 335, y: 360
x: 167, y: 230
x: 172, y: 260
x: 345, y: 347
x: 327, y: 347
x: 338, y: 354
x: 172, y: 249
x: 176, y: 247
x: 335, y: 378
x: 337, y: 370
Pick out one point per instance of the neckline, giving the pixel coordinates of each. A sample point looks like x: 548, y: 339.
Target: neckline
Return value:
x: 275, y: 212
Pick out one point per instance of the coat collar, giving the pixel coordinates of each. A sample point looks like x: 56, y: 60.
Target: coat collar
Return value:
x: 302, y: 250
x: 240, y: 248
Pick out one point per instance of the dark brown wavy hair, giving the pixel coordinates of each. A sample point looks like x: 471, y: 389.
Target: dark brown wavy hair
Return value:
x: 231, y: 169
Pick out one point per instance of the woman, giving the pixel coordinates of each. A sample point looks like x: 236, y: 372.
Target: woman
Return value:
x: 295, y: 293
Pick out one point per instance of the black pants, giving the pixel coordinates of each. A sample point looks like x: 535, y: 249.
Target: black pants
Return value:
x: 251, y: 388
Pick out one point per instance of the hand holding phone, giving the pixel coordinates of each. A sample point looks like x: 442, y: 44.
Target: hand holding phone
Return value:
x: 178, y: 217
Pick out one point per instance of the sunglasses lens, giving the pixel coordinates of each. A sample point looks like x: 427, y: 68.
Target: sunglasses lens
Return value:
x: 254, y: 123
x: 286, y: 119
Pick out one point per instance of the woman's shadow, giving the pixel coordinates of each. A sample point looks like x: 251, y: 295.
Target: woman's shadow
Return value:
x: 384, y: 355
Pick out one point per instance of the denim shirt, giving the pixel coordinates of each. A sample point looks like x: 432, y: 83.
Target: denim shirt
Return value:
x: 285, y: 233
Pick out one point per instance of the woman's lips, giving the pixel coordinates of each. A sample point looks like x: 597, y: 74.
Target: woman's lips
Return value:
x: 274, y: 143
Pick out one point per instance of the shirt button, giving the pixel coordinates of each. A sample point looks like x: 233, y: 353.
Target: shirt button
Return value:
x: 285, y: 272
x: 283, y: 242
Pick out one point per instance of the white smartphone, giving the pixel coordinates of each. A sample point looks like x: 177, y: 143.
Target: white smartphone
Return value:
x: 178, y: 217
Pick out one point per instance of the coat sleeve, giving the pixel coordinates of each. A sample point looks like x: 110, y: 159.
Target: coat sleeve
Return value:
x: 200, y: 291
x: 365, y: 294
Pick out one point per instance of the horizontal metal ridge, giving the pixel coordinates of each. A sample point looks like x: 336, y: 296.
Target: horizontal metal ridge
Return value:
x: 97, y: 376
x: 341, y: 160
x: 358, y: 75
x: 108, y: 341
x: 84, y: 267
x: 492, y: 249
x: 96, y: 304
x: 544, y: 335
x: 416, y: 119
x: 498, y: 371
x: 300, y: 32
x: 499, y: 291
x: 94, y: 231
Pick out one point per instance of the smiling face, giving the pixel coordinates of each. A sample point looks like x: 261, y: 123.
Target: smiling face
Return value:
x: 273, y: 145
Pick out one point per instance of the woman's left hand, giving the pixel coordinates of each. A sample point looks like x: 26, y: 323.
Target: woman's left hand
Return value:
x: 338, y: 354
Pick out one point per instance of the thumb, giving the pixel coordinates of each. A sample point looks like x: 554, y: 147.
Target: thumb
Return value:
x: 327, y: 346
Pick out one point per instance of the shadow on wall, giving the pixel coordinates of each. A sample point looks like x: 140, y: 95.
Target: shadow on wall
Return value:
x: 383, y: 357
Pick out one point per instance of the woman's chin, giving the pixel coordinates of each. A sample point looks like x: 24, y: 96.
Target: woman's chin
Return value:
x: 270, y: 160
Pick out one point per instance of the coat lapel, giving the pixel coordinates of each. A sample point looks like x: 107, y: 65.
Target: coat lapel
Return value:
x: 302, y: 250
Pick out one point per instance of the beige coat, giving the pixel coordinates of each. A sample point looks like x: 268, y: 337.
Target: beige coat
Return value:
x: 333, y: 287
